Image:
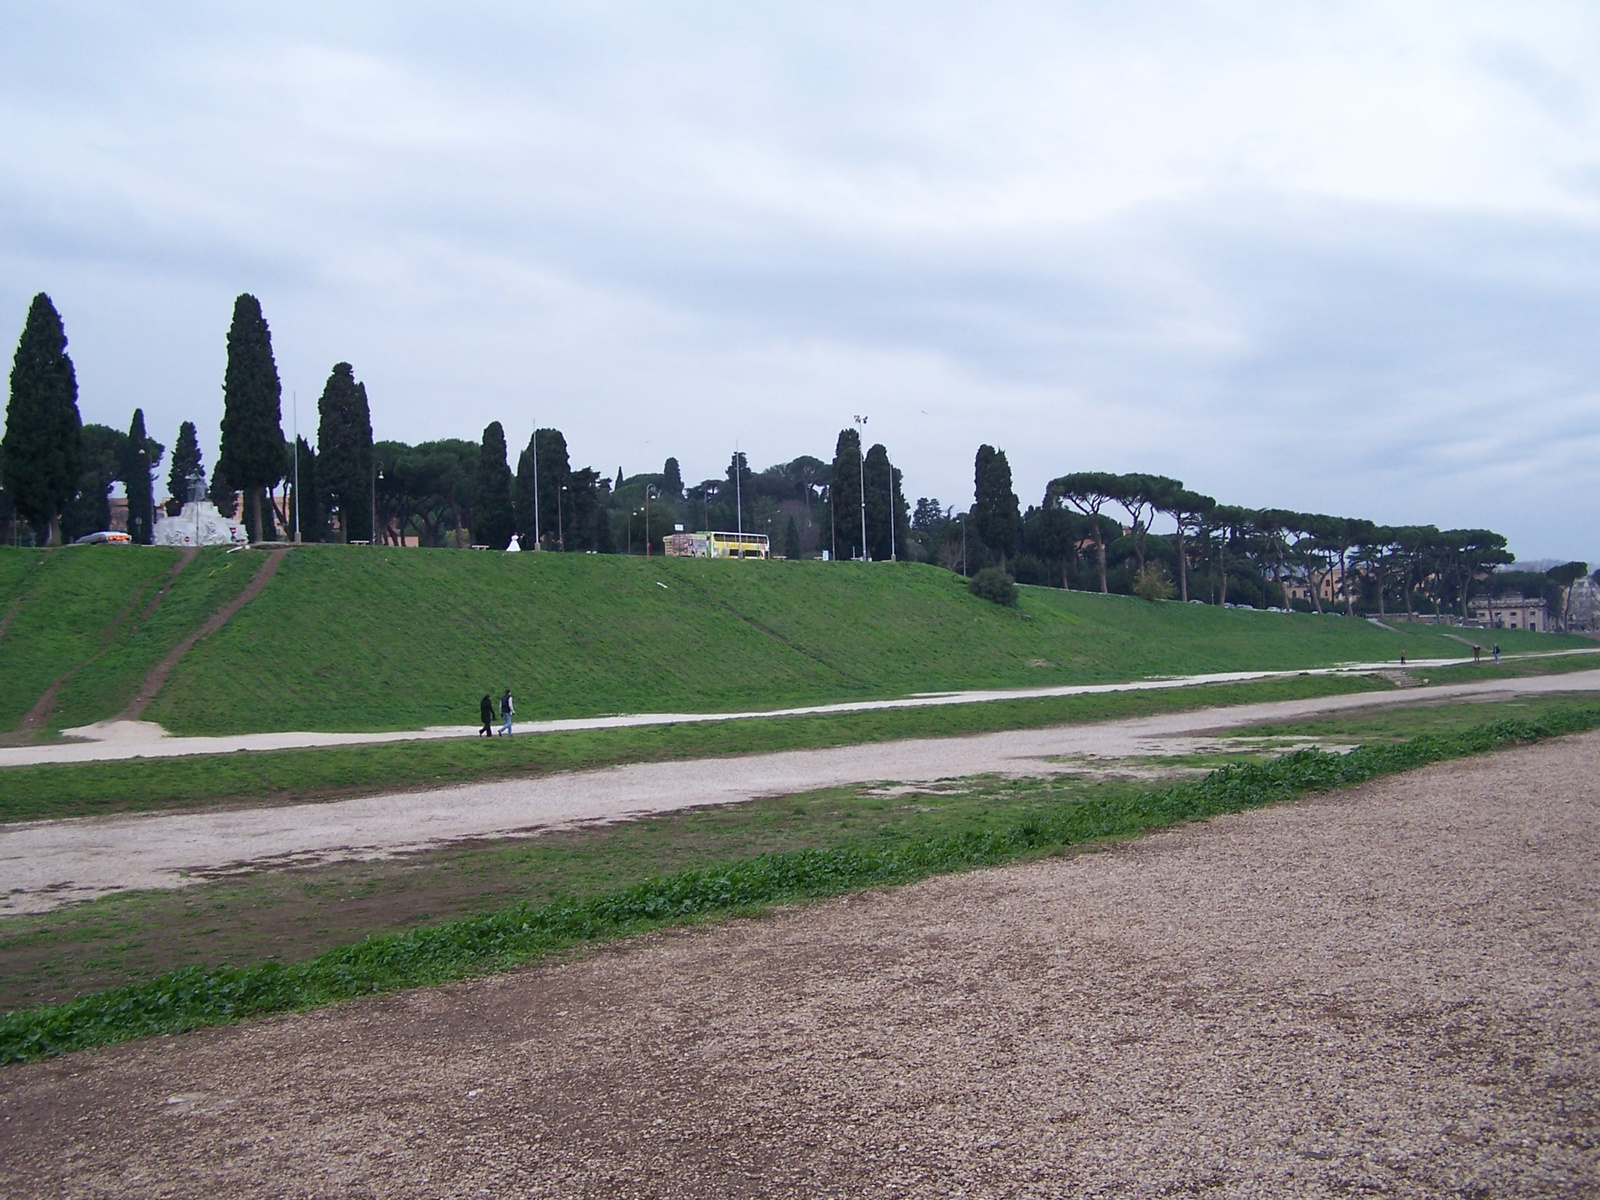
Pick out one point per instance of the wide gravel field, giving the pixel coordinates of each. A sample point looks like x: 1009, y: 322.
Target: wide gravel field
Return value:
x: 1390, y: 991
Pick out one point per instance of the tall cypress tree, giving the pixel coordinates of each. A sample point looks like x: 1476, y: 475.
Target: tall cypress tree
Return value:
x: 671, y: 479
x: 550, y: 448
x: 252, y: 453
x: 522, y: 498
x: 142, y: 457
x: 492, y: 521
x: 791, y: 541
x: 223, y: 494
x: 344, y: 453
x: 880, y: 482
x: 186, y: 468
x: 844, y: 493
x: 995, y: 515
x: 41, y: 454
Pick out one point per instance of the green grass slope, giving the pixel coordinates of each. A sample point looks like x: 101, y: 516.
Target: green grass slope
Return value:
x: 71, y: 602
x: 360, y: 638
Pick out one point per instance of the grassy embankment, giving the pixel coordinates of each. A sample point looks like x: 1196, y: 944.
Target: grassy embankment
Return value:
x: 71, y: 602
x: 820, y: 846
x: 363, y: 639
x: 354, y: 638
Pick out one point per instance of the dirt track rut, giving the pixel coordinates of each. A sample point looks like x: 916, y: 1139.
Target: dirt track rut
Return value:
x: 1387, y: 991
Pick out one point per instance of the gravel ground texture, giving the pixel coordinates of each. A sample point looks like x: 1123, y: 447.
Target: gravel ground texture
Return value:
x: 1388, y: 991
x: 47, y: 864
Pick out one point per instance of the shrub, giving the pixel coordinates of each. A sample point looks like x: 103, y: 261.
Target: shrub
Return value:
x: 1152, y: 584
x: 992, y: 583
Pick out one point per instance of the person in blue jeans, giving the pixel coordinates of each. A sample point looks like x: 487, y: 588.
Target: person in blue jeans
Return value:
x: 505, y: 714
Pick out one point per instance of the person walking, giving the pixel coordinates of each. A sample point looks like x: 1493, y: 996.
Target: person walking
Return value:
x: 1497, y: 654
x: 505, y: 714
x: 1477, y: 654
x: 486, y: 712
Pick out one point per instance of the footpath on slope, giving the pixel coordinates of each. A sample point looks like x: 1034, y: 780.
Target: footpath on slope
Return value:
x: 126, y: 738
x: 158, y: 674
x: 1387, y: 991
x: 46, y: 864
x: 36, y: 717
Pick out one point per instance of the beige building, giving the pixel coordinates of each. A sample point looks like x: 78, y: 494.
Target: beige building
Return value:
x: 1511, y: 611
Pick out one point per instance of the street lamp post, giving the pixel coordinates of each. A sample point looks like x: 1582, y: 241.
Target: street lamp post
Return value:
x: 377, y: 474
x: 861, y: 464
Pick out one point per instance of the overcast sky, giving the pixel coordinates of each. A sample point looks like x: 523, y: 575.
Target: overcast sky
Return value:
x: 1341, y: 258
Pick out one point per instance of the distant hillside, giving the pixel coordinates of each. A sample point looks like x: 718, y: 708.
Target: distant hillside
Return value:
x: 362, y: 638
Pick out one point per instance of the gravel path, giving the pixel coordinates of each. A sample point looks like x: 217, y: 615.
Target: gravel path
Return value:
x: 131, y: 738
x: 45, y: 864
x: 1387, y: 991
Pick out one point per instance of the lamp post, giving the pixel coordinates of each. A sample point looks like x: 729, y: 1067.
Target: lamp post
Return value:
x: 861, y: 464
x: 377, y: 474
x: 537, y: 545
x: 647, y: 489
x: 561, y: 524
x: 296, y: 402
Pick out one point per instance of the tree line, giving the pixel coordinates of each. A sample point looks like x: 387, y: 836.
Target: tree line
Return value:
x: 1091, y: 530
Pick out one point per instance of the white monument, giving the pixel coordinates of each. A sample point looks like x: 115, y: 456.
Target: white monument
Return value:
x: 199, y: 524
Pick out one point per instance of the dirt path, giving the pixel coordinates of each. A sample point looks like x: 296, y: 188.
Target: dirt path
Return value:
x: 46, y: 864
x: 130, y: 738
x: 1387, y: 991
x: 44, y: 707
x: 158, y: 674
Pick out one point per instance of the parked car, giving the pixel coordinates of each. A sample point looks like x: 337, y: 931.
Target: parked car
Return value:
x: 106, y: 537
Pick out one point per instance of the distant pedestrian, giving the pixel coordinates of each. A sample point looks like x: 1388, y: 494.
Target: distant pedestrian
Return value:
x: 1497, y: 654
x: 486, y: 711
x: 505, y: 713
x: 1477, y: 654
x: 1402, y: 658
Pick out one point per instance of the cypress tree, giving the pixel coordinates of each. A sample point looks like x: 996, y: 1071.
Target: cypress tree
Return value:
x: 671, y: 479
x: 252, y: 417
x: 880, y: 482
x: 844, y: 493
x: 140, y: 461
x: 223, y: 494
x: 344, y: 453
x: 550, y: 448
x: 522, y: 497
x: 995, y: 515
x: 42, y: 454
x: 493, y: 522
x: 791, y: 540
x: 186, y: 468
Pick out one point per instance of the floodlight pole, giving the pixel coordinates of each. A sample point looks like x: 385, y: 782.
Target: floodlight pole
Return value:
x: 536, y: 543
x: 861, y: 464
x: 738, y: 496
x: 296, y: 396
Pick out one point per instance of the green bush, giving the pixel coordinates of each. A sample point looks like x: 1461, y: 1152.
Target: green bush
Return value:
x: 1152, y: 584
x: 992, y: 583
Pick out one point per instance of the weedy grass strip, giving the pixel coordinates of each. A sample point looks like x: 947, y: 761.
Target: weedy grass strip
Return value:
x: 195, y: 997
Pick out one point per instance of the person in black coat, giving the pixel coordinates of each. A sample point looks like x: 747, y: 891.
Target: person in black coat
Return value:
x: 486, y: 711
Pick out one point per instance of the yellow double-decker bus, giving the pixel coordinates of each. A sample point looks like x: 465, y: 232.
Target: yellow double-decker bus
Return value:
x: 717, y: 544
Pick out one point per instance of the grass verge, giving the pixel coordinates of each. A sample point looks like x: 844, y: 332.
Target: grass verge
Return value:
x: 195, y: 997
x: 134, y: 785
